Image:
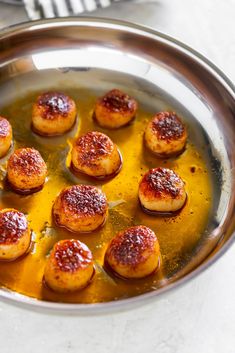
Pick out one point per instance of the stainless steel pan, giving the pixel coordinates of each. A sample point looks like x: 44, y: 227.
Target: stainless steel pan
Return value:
x: 101, y: 52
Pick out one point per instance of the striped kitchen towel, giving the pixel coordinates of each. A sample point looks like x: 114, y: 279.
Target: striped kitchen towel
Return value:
x: 37, y: 9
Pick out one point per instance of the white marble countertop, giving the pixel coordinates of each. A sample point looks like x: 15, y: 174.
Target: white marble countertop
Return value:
x: 198, y: 317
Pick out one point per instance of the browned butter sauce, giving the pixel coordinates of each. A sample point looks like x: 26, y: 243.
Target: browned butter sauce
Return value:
x: 178, y: 235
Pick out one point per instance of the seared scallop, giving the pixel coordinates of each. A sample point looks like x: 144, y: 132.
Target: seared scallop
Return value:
x: 134, y: 253
x: 96, y: 155
x: 15, y: 236
x: 115, y: 109
x: 26, y: 171
x: 162, y: 190
x: 5, y: 136
x: 69, y: 267
x: 80, y: 208
x: 53, y: 114
x: 165, y: 134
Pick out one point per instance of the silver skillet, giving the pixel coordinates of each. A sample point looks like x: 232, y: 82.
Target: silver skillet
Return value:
x: 157, y: 68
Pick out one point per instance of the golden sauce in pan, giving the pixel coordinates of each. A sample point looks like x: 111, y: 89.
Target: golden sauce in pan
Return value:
x: 178, y: 236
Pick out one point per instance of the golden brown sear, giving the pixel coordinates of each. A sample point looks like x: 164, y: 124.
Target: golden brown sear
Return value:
x: 70, y: 266
x: 5, y: 136
x: 26, y: 171
x: 96, y: 155
x: 134, y: 252
x: 115, y: 109
x: 15, y: 236
x: 54, y: 113
x: 165, y: 134
x: 80, y: 208
x: 162, y: 190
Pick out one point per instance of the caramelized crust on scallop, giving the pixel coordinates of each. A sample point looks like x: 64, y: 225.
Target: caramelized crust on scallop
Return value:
x: 162, y: 190
x: 168, y: 126
x: 162, y: 181
x: 80, y: 208
x: 96, y: 155
x: 165, y: 134
x: 27, y: 161
x: 80, y: 199
x: 14, y: 234
x: 26, y: 170
x: 5, y: 136
x: 134, y: 253
x: 5, y: 127
x: 54, y: 103
x: 129, y: 246
x: 70, y: 266
x: 70, y: 255
x: 118, y: 101
x: 12, y: 225
x: 115, y: 109
x: 54, y: 113
x: 93, y: 145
